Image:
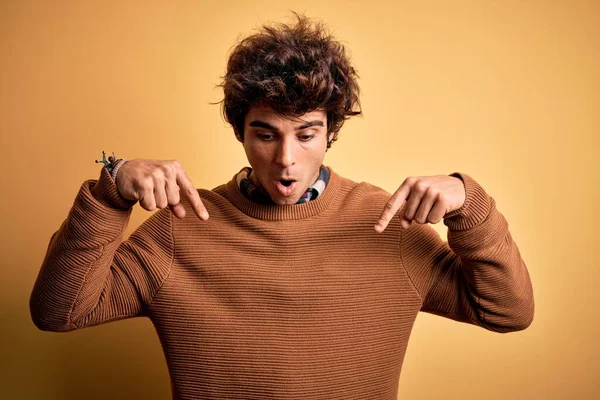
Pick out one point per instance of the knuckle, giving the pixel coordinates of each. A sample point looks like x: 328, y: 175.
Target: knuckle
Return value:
x: 157, y: 173
x: 147, y: 183
x: 421, y: 186
x: 175, y: 164
x: 441, y: 197
x: 410, y: 180
x: 432, y: 191
x: 135, y: 195
x: 167, y: 169
x: 191, y: 190
x: 140, y: 185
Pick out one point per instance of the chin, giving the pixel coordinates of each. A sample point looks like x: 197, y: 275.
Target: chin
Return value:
x: 286, y: 201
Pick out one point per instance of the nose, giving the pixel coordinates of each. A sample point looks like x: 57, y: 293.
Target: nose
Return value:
x: 286, y: 153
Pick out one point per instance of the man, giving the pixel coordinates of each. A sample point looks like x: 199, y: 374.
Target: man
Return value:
x: 289, y: 281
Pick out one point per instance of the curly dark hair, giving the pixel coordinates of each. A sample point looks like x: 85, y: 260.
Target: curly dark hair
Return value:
x: 293, y: 69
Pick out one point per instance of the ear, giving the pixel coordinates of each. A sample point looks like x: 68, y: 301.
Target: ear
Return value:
x: 238, y: 136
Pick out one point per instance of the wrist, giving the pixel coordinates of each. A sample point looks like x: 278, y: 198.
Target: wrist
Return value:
x: 118, y: 164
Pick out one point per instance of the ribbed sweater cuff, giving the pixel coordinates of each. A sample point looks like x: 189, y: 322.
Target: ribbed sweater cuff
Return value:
x: 474, y: 211
x: 98, y: 212
x: 105, y: 192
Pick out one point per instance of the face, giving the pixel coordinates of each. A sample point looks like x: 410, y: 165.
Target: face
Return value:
x: 285, y: 154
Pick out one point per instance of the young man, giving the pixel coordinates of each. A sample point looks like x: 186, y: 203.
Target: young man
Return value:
x: 289, y: 281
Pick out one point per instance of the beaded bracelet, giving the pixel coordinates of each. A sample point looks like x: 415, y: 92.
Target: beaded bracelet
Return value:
x: 112, y: 164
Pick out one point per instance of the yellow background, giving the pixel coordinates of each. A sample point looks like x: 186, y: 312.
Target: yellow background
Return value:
x: 506, y: 91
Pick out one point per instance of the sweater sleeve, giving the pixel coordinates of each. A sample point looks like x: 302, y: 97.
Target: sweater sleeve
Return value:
x: 478, y: 276
x: 89, y: 275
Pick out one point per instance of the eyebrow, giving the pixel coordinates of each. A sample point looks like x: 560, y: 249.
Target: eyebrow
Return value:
x: 262, y: 124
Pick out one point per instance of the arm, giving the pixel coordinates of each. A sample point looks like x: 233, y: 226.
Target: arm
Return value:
x: 477, y: 277
x: 88, y: 275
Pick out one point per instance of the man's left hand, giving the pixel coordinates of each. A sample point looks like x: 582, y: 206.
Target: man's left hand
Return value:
x: 427, y: 198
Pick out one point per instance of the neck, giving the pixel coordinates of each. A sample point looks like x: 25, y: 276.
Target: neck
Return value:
x: 284, y: 212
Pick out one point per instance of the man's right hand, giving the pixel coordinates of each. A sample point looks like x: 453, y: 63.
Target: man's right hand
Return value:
x: 157, y: 184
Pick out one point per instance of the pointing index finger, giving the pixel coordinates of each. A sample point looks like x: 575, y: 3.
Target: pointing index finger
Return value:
x: 392, y: 207
x: 191, y: 193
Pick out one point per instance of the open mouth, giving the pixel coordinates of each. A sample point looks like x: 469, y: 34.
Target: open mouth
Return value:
x: 286, y: 187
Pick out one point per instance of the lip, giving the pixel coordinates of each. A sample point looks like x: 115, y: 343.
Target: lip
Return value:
x: 285, y: 191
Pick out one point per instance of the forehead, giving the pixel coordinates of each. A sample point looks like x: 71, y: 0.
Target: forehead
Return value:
x: 266, y: 114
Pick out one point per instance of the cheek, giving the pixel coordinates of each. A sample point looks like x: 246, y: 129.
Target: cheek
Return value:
x: 257, y: 155
x: 315, y: 152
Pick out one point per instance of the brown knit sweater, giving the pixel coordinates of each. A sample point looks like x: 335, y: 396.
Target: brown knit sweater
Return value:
x: 293, y: 302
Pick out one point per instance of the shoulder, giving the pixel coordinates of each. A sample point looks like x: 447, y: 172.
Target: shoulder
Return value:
x: 216, y: 200
x: 361, y: 198
x: 364, y: 191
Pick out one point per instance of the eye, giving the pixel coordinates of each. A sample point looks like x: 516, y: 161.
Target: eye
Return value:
x: 265, y: 136
x: 306, y: 138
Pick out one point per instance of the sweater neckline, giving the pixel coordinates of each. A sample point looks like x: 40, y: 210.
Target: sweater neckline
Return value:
x: 272, y: 212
